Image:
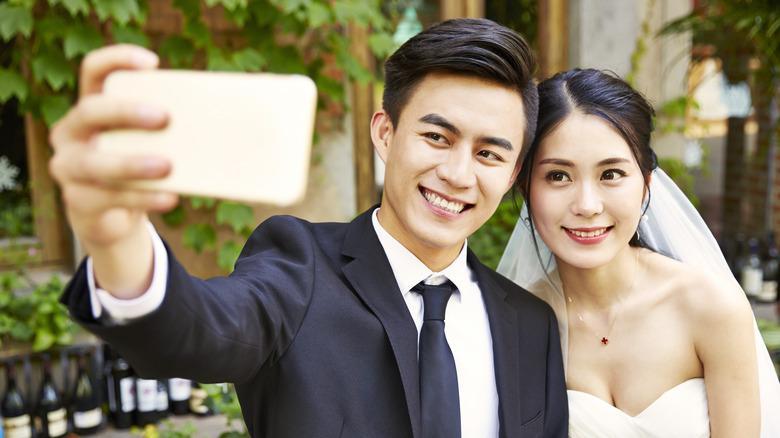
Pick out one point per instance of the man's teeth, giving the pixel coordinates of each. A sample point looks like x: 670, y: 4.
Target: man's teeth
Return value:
x: 452, y: 207
x: 588, y: 233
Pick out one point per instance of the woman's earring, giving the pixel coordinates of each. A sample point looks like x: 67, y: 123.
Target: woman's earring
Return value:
x: 527, y: 221
x: 644, y: 218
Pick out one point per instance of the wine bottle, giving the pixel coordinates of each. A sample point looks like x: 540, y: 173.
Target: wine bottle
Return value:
x: 162, y: 400
x: 86, y: 412
x: 16, y: 413
x: 179, y: 396
x: 752, y: 271
x: 146, y: 401
x: 771, y: 265
x: 121, y: 393
x: 51, y: 418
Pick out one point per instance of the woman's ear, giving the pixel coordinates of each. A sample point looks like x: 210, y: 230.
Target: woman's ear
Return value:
x: 648, y: 182
x: 381, y: 133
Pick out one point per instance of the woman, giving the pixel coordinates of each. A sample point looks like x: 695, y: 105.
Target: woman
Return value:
x: 658, y: 338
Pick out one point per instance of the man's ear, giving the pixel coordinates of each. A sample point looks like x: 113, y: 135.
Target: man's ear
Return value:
x: 513, y: 180
x: 381, y: 133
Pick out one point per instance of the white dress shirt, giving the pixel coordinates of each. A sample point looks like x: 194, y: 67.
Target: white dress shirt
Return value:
x: 466, y: 322
x: 466, y: 327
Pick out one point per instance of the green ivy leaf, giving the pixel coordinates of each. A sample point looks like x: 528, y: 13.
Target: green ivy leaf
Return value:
x: 64, y: 338
x: 179, y: 50
x: 199, y: 32
x: 200, y: 202
x: 15, y: 20
x: 74, y: 7
x: 249, y: 60
x: 80, y: 40
x: 228, y: 254
x: 122, y: 11
x: 199, y: 237
x: 21, y: 331
x: 239, y: 16
x: 54, y: 108
x: 52, y: 29
x: 353, y: 11
x: 216, y: 60
x: 264, y: 13
x: 12, y: 84
x: 230, y: 5
x: 190, y: 8
x: 238, y: 216
x: 54, y: 69
x: 130, y: 35
x: 175, y: 217
x: 44, y: 339
x: 381, y: 44
x: 290, y: 5
x: 319, y: 14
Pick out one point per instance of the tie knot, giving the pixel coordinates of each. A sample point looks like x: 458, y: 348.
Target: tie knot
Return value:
x: 435, y: 298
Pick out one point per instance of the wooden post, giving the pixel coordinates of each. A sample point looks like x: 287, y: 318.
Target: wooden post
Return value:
x: 553, y: 37
x: 461, y: 9
x: 362, y: 109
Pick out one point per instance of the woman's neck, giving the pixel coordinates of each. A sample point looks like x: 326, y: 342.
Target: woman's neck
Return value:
x: 601, y: 287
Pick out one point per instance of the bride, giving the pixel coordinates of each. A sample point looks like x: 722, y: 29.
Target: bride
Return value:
x: 659, y: 340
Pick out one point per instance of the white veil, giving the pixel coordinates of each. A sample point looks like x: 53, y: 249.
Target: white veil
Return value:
x: 673, y: 228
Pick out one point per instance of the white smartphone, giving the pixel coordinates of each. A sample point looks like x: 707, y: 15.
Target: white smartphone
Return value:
x: 236, y: 136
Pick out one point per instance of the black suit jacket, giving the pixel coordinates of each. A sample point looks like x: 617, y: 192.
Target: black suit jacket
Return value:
x: 316, y: 336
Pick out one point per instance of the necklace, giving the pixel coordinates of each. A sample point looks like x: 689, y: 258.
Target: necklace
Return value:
x: 605, y: 339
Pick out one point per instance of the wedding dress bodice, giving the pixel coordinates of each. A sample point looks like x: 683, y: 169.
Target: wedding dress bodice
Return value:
x: 679, y: 412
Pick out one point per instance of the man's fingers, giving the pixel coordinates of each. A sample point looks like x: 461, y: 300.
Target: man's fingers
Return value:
x: 97, y: 113
x: 99, y: 63
x: 91, y: 199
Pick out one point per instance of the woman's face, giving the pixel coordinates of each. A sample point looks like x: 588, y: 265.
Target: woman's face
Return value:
x: 586, y: 191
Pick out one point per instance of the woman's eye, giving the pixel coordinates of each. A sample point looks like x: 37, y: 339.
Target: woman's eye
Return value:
x: 557, y: 176
x: 612, y: 174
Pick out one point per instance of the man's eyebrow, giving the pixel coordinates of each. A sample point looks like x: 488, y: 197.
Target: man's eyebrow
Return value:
x: 498, y: 141
x: 436, y: 119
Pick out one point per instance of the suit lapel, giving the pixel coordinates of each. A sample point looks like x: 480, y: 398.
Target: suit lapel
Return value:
x: 504, y: 331
x: 372, y: 279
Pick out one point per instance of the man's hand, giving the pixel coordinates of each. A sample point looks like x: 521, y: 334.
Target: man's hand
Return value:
x: 110, y: 222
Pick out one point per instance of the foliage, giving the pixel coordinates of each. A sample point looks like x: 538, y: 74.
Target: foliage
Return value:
x: 45, y: 40
x: 489, y: 241
x: 32, y: 312
x: 186, y: 430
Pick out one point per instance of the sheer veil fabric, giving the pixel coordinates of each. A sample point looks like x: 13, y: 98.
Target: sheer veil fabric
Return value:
x: 673, y: 228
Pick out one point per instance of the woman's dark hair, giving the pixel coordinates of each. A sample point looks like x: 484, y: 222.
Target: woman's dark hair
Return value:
x: 597, y: 93
x: 467, y: 46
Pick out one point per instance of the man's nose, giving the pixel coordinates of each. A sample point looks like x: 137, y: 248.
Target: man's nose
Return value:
x: 458, y: 168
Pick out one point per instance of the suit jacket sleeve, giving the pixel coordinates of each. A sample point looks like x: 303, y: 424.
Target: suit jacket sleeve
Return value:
x: 203, y: 326
x: 557, y: 422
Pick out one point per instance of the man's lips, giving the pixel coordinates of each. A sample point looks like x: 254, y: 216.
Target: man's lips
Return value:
x: 450, y: 206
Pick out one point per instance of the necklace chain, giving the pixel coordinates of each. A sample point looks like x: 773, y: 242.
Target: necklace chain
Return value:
x: 605, y: 339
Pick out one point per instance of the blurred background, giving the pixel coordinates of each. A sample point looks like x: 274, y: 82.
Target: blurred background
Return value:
x: 710, y: 67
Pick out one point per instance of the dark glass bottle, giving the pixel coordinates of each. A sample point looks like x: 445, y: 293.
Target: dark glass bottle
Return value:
x: 179, y: 396
x: 85, y: 410
x: 146, y: 401
x: 162, y: 400
x: 51, y: 417
x: 121, y: 393
x: 16, y: 412
x: 752, y: 272
x: 770, y: 264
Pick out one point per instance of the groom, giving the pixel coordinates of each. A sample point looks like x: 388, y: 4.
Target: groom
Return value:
x: 318, y: 324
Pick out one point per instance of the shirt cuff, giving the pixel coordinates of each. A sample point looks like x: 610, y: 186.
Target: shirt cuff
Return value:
x: 119, y: 310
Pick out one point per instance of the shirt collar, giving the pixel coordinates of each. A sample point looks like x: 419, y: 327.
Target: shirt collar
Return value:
x: 409, y: 270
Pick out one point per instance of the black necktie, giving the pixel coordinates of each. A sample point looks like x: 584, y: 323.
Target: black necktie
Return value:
x: 439, y: 398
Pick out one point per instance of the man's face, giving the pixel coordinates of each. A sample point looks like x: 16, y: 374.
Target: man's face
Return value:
x: 449, y: 161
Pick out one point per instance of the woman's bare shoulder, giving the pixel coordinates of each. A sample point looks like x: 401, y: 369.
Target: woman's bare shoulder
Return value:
x: 699, y: 291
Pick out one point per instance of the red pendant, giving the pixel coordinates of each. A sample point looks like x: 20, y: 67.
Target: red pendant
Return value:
x: 604, y: 341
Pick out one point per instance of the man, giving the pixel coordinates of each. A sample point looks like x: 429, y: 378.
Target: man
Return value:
x: 318, y: 324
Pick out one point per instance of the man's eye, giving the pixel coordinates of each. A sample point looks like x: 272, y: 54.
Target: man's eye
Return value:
x: 489, y: 155
x: 435, y: 137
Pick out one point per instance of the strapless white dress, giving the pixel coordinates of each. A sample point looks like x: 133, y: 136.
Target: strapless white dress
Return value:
x: 679, y: 412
